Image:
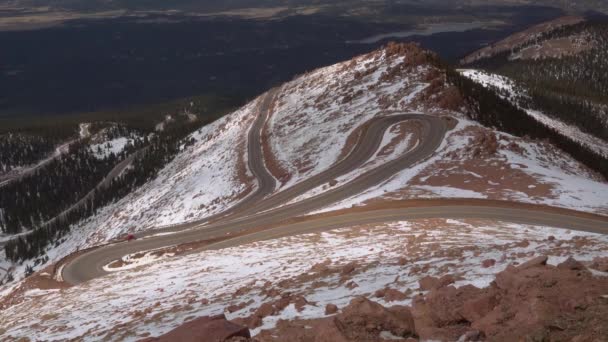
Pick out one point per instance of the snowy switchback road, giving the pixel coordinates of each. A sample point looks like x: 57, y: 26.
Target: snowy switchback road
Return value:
x: 260, y: 216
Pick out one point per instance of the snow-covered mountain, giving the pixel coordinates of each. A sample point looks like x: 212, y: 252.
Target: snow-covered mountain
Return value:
x: 312, y: 123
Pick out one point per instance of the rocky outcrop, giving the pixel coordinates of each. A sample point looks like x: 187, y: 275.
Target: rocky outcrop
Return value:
x: 529, y: 302
x: 361, y: 320
x: 272, y: 308
x: 483, y: 144
x: 365, y: 319
x: 430, y: 283
x: 600, y: 264
x: 331, y: 309
x: 532, y: 301
x: 488, y: 263
x: 208, y: 328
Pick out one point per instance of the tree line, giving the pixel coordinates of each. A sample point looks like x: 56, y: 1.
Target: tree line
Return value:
x: 571, y: 88
x: 36, y: 198
x: 157, y: 151
x: 491, y: 110
x: 20, y: 150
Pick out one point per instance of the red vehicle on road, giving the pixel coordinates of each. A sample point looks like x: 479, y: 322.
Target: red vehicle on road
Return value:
x: 130, y: 237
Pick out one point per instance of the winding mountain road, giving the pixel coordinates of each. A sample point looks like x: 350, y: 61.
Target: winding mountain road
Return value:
x: 264, y: 215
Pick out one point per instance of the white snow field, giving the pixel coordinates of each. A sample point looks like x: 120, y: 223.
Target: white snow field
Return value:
x: 153, y: 299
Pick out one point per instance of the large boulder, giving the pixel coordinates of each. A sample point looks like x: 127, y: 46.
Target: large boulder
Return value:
x: 441, y: 314
x: 536, y: 301
x: 571, y: 264
x: 331, y: 309
x: 315, y: 330
x: 600, y: 264
x: 363, y: 319
x: 479, y: 306
x: 532, y: 301
x: 207, y: 328
x: 430, y: 283
x: 536, y: 262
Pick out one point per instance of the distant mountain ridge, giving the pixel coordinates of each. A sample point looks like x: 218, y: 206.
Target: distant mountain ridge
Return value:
x: 223, y: 5
x: 518, y: 40
x: 564, y: 69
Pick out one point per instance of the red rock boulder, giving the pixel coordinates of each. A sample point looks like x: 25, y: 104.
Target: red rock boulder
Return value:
x: 363, y: 319
x: 600, y: 264
x: 208, y: 328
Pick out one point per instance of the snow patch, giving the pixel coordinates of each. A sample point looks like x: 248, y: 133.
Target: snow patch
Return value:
x: 114, y: 146
x: 177, y: 289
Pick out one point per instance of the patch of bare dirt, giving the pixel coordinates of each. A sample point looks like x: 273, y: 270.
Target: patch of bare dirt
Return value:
x: 42, y: 280
x: 479, y: 168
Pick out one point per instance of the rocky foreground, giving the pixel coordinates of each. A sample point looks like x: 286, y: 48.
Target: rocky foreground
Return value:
x: 528, y: 302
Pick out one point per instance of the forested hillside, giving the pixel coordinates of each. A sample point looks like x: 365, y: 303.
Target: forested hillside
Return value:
x: 24, y: 145
x: 150, y: 157
x: 37, y: 198
x: 487, y: 106
x: 565, y: 73
x: 97, y: 170
x: 21, y: 150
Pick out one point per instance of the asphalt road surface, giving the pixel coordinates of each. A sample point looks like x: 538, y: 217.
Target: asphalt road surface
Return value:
x: 260, y: 216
